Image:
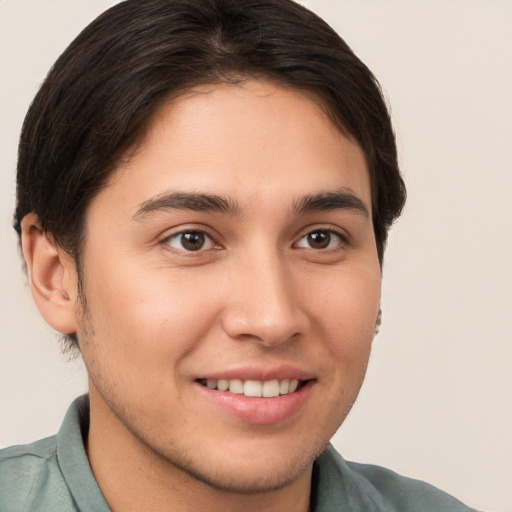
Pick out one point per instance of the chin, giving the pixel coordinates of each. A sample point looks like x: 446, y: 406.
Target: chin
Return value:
x: 249, y: 477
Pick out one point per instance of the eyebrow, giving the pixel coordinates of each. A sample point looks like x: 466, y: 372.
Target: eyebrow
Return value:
x: 210, y: 203
x: 343, y: 199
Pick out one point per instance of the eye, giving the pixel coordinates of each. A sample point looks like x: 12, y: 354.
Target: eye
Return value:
x: 190, y: 241
x: 320, y: 239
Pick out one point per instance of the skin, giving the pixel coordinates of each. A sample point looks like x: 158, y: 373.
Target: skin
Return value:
x: 257, y: 295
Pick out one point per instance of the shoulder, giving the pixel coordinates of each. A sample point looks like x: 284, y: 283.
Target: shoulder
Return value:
x: 381, y: 489
x: 21, y: 463
x: 30, y: 477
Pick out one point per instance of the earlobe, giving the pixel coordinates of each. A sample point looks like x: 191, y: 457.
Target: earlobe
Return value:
x: 52, y: 276
x: 378, y: 322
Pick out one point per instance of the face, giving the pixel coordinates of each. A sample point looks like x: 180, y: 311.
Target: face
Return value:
x: 232, y: 286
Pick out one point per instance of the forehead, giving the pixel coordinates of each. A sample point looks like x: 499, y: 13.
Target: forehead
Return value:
x: 245, y: 140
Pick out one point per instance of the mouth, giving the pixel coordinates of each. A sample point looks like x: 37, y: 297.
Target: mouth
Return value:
x: 255, y: 388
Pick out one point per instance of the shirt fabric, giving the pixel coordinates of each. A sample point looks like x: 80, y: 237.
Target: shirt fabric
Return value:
x: 54, y: 475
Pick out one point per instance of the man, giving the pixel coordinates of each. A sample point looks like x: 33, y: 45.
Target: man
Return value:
x: 204, y: 194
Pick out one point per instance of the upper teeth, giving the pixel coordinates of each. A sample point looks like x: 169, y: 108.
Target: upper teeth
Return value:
x: 256, y: 388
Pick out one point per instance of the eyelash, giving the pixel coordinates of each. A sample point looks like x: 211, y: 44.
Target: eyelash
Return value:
x: 212, y: 244
x: 198, y: 232
x: 342, y: 238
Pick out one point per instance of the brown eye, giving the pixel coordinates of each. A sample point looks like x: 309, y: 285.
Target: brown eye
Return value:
x: 320, y: 239
x: 190, y: 241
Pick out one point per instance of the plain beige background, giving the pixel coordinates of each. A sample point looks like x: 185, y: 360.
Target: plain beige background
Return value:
x: 437, y: 402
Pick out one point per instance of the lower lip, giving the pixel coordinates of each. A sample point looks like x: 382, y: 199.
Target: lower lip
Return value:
x: 260, y: 411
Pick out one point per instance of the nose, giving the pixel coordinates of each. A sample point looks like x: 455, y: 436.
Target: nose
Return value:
x: 264, y: 303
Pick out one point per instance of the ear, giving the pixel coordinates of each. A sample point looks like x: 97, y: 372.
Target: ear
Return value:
x: 378, y: 322
x: 52, y: 276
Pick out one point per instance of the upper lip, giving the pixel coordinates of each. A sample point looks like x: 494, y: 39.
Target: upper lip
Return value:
x: 260, y: 373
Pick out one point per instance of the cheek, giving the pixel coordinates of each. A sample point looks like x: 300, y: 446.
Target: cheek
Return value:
x: 149, y: 308
x: 139, y: 339
x: 347, y: 314
x: 142, y: 318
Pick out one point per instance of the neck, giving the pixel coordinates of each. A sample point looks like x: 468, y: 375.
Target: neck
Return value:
x: 132, y: 477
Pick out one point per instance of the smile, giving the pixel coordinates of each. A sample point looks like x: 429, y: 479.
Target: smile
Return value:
x: 254, y: 388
